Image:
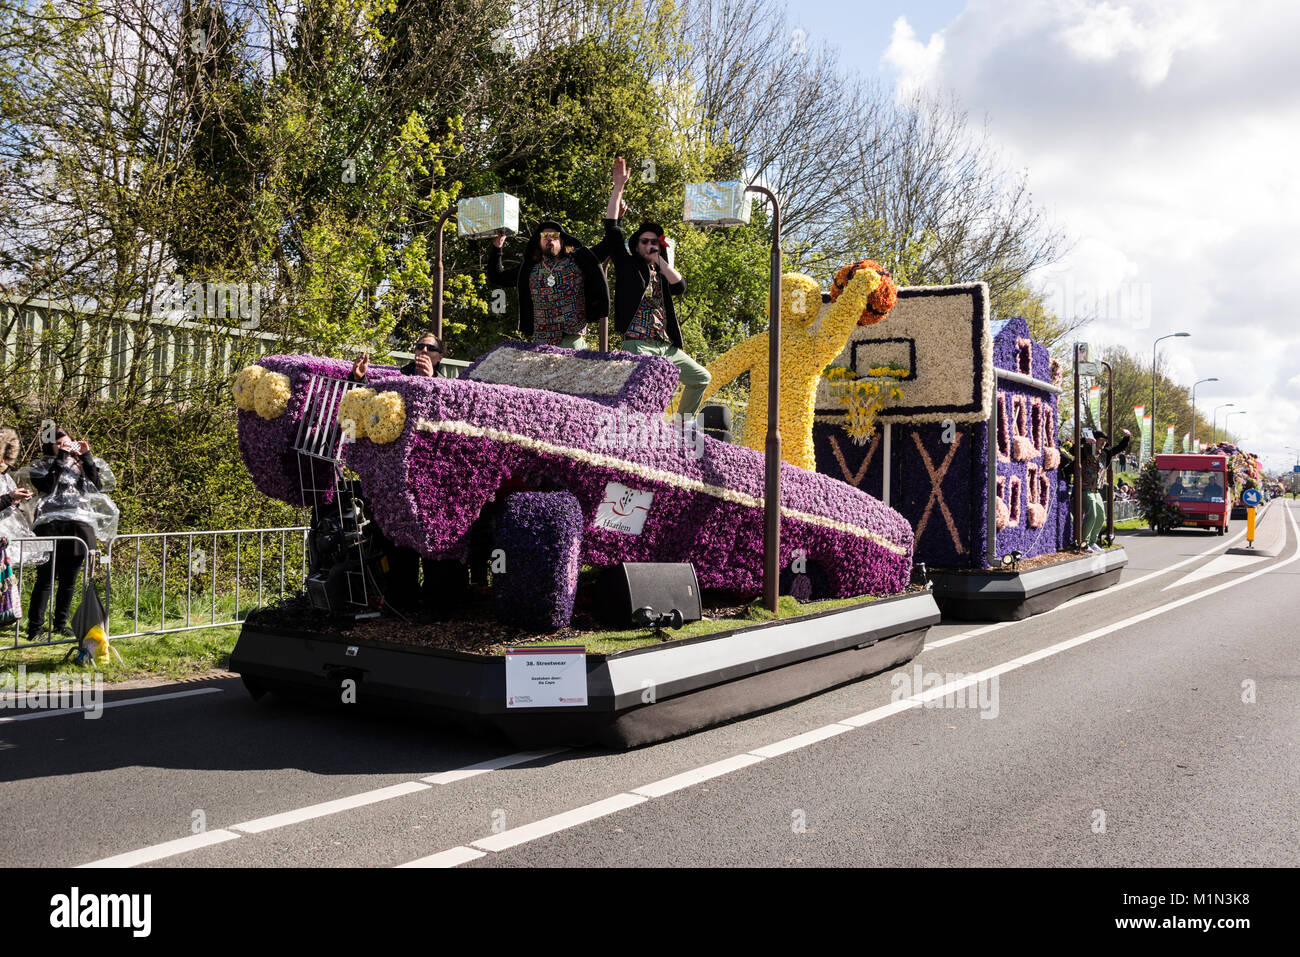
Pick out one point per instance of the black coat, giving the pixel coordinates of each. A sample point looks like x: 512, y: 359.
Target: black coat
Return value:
x: 594, y: 287
x: 631, y: 276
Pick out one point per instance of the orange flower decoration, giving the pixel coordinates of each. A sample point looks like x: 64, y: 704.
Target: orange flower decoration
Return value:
x: 880, y: 301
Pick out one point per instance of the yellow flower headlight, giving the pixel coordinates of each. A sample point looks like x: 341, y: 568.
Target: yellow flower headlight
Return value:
x: 245, y: 387
x: 352, y: 412
x: 271, y: 394
x: 384, y: 417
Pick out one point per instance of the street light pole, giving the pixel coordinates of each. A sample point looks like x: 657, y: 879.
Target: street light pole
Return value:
x: 1172, y: 335
x: 1194, y: 385
x: 1225, y: 421
x: 1214, y: 419
x: 772, y: 469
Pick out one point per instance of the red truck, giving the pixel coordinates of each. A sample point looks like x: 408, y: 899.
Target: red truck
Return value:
x: 1198, y: 486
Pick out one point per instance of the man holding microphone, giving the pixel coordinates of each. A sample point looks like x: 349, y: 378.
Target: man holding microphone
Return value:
x: 643, y: 296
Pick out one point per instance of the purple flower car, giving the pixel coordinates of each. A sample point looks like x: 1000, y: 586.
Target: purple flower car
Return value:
x: 587, y: 427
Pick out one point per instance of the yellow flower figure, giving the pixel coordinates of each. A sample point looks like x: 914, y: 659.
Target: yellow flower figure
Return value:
x: 805, y: 352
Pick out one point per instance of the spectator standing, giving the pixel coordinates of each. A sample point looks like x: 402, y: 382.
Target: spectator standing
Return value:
x: 64, y: 477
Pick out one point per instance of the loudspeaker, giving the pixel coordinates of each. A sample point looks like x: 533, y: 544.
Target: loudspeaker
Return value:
x: 662, y: 586
x: 715, y: 420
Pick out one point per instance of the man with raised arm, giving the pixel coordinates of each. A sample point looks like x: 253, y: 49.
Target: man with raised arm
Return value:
x: 643, y: 295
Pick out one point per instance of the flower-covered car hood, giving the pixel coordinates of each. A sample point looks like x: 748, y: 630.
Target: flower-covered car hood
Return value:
x: 647, y: 490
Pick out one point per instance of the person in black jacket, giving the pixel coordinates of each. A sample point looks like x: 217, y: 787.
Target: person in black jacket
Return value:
x: 560, y: 284
x: 428, y: 355
x: 644, y: 287
x: 63, y: 479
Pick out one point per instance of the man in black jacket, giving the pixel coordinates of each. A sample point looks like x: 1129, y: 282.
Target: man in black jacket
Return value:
x: 560, y: 284
x: 643, y: 294
x: 428, y: 354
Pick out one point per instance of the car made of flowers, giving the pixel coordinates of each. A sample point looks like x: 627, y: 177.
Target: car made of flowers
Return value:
x: 570, y: 455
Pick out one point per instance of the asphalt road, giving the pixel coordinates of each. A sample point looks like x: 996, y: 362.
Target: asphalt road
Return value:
x: 1090, y: 739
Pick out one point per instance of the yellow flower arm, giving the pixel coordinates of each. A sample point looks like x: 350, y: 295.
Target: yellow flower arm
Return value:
x: 736, y: 361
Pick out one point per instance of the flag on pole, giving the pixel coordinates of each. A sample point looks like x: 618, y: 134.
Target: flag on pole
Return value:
x: 1187, y: 441
x: 1094, y: 404
x: 1169, y: 440
x: 1147, y: 443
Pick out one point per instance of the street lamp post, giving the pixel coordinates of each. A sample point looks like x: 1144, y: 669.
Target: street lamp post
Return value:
x: 772, y: 470
x: 1194, y: 385
x: 1214, y: 423
x: 1172, y: 335
x: 1227, y: 417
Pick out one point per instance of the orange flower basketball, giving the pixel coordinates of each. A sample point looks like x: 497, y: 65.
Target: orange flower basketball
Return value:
x: 880, y: 301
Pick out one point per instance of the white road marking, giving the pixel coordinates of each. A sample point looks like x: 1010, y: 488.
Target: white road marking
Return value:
x: 452, y: 858
x: 159, y: 851
x: 325, y: 808
x: 568, y: 819
x: 695, y: 776
x: 799, y: 741
x: 1080, y: 599
x: 1217, y: 566
x: 491, y: 764
x: 558, y: 822
x: 110, y: 704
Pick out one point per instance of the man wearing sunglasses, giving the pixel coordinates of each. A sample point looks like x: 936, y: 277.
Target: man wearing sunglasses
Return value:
x: 560, y: 284
x: 428, y: 354
x: 644, y: 287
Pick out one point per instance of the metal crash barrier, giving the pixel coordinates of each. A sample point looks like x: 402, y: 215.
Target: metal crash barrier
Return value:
x: 158, y: 583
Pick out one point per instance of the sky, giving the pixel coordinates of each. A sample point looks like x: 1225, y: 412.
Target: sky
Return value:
x: 1164, y: 137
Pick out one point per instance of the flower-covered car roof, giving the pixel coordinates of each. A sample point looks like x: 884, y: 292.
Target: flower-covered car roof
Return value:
x: 432, y: 453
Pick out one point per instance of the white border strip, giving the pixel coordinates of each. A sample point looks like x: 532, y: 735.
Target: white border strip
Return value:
x: 491, y: 764
x: 649, y: 472
x: 451, y: 858
x: 158, y: 851
x: 558, y: 822
x: 110, y: 704
x: 298, y: 815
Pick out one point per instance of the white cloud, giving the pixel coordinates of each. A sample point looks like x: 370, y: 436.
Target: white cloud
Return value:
x: 1164, y: 136
x: 913, y: 61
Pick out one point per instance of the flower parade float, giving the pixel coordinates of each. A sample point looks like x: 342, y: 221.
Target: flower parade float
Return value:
x: 965, y: 448
x: 565, y: 461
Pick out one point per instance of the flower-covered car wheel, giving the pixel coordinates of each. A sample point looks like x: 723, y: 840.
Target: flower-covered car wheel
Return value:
x: 245, y: 387
x: 384, y: 417
x: 539, y: 535
x: 272, y: 394
x: 352, y: 412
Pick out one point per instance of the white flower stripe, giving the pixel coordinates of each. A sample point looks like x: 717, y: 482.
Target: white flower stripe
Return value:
x: 650, y: 472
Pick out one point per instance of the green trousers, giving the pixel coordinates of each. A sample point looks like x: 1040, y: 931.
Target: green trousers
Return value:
x: 1094, y: 517
x: 571, y: 342
x: 693, y: 376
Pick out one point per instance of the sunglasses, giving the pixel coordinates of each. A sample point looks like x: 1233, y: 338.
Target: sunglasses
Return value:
x: 550, y: 235
x: 427, y: 347
x: 647, y: 242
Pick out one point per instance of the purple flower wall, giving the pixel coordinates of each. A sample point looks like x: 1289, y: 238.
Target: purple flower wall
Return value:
x: 1033, y: 526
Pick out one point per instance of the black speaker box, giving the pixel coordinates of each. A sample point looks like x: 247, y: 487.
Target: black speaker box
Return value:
x: 662, y: 586
x: 715, y: 420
